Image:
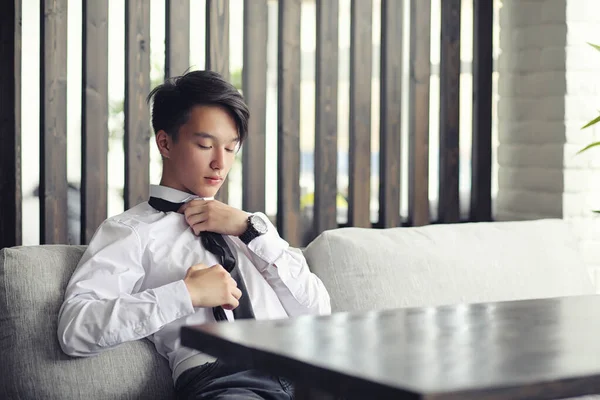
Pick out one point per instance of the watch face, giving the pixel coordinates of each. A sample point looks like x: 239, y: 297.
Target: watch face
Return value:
x: 259, y: 224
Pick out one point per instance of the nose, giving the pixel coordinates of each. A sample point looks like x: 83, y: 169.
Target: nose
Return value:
x: 218, y: 158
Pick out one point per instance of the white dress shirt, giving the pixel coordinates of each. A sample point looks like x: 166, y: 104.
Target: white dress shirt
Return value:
x: 129, y: 283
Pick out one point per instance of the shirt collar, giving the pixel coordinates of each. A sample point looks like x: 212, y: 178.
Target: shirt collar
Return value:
x: 173, y: 195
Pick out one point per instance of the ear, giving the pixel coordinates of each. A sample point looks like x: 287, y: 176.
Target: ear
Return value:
x: 163, y: 142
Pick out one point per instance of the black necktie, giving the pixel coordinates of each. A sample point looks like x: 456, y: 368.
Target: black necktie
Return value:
x: 216, y: 244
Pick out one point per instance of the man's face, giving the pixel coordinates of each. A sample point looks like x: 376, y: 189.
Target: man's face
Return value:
x: 200, y: 159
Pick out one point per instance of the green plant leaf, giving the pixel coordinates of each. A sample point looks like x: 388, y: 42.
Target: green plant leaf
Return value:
x: 592, y: 122
x: 589, y: 146
x: 596, y: 211
x: 594, y: 46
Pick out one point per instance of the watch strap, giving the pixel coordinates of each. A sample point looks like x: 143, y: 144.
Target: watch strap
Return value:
x: 250, y: 233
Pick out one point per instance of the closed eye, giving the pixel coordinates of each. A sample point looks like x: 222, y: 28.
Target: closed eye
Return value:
x: 210, y: 147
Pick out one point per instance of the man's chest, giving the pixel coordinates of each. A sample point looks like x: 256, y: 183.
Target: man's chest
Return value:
x: 173, y: 249
x: 167, y: 259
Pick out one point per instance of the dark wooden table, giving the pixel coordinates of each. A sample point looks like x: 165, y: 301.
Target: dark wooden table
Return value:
x: 534, y: 349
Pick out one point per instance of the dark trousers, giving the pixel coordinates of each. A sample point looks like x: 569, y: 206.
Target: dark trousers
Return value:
x: 217, y: 380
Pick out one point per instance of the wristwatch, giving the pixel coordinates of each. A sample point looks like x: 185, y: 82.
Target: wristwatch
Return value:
x: 256, y: 227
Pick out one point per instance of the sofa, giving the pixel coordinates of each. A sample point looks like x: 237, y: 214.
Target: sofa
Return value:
x: 363, y: 269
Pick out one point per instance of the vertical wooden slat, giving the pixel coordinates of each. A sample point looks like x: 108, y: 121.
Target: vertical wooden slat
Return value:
x: 254, y: 81
x: 361, y: 54
x: 217, y: 52
x: 326, y: 104
x: 18, y: 195
x: 448, y: 204
x: 53, y: 121
x: 94, y: 117
x: 10, y: 123
x: 418, y: 175
x: 390, y: 112
x: 177, y: 37
x: 288, y: 122
x: 137, y: 86
x: 481, y: 164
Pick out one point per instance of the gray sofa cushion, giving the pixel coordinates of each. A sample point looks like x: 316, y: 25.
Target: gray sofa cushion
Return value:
x: 32, y: 366
x: 367, y: 269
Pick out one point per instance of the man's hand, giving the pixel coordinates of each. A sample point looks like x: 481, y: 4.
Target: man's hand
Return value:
x: 214, y: 216
x: 211, y: 287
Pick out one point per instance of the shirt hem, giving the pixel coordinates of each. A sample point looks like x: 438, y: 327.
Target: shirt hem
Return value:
x: 191, y: 362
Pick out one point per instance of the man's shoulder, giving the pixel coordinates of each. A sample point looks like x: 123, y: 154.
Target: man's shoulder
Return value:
x: 134, y: 223
x: 136, y: 217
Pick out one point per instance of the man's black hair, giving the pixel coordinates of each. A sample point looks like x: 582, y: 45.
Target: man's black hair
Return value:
x: 173, y: 100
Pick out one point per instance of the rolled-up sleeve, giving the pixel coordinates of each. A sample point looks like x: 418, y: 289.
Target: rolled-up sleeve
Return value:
x: 102, y: 307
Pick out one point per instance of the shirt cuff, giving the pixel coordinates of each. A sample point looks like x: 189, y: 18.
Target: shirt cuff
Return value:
x: 270, y: 246
x: 173, y: 301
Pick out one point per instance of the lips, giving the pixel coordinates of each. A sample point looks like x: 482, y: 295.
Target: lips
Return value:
x: 214, y: 179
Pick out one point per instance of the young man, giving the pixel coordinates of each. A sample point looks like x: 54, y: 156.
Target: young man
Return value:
x: 184, y: 258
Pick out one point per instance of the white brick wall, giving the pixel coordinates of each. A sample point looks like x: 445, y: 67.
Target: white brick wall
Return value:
x: 549, y: 86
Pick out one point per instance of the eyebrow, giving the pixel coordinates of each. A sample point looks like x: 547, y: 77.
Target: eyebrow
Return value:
x: 206, y: 135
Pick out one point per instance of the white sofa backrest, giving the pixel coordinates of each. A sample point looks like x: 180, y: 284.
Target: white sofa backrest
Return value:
x: 368, y: 269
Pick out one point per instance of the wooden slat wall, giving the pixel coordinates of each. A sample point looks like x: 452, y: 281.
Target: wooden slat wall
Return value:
x: 361, y: 54
x: 10, y: 123
x: 481, y: 164
x: 137, y: 87
x: 390, y: 112
x: 53, y: 177
x: 94, y: 117
x: 254, y: 87
x: 288, y: 122
x: 326, y: 114
x: 418, y: 175
x: 177, y: 37
x: 448, y: 205
x: 217, y: 52
x: 53, y: 121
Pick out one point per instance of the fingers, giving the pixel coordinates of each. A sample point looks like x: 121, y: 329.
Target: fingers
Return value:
x: 191, y: 204
x: 237, y: 293
x: 194, y: 206
x: 231, y: 304
x: 212, y: 286
x: 197, y: 218
x: 234, y: 297
x: 213, y: 216
x: 197, y: 267
x: 185, y: 206
x: 194, y: 219
x: 231, y: 284
x: 194, y: 270
x: 219, y: 268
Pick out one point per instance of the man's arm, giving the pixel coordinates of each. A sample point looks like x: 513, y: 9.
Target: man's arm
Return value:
x: 102, y: 308
x: 285, y: 269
